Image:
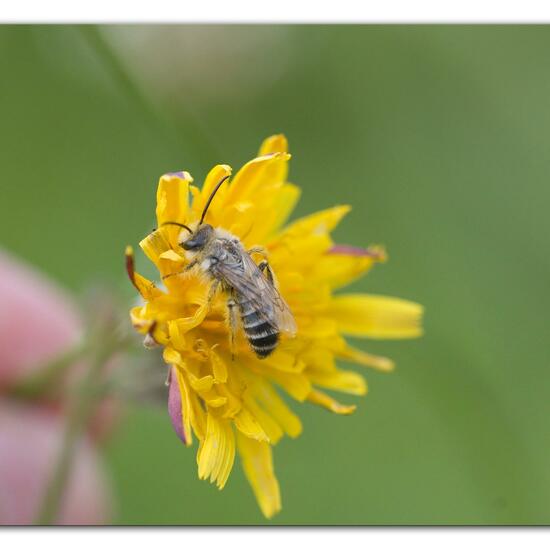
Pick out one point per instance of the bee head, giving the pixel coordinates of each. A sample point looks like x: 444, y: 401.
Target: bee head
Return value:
x: 199, y: 238
x: 203, y: 233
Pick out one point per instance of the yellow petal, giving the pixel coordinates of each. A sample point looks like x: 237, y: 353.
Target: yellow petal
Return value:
x: 219, y: 368
x: 172, y: 256
x: 212, y: 399
x: 144, y: 286
x: 277, y: 173
x: 319, y: 398
x: 208, y: 453
x: 271, y: 213
x: 268, y: 424
x: 170, y: 265
x: 277, y: 408
x: 341, y: 380
x: 255, y: 174
x: 154, y: 245
x: 140, y: 321
x: 319, y: 358
x: 376, y: 316
x: 244, y: 215
x: 173, y: 197
x: 340, y: 269
x: 226, y: 464
x: 283, y: 205
x: 249, y: 426
x: 177, y: 338
x: 171, y: 356
x: 298, y: 252
x: 185, y: 324
x: 274, y: 144
x: 203, y: 384
x: 377, y: 362
x: 296, y: 385
x: 282, y: 361
x: 217, y: 174
x: 217, y: 454
x: 233, y: 404
x: 318, y: 328
x: 194, y: 411
x: 186, y: 412
x: 198, y: 415
x: 318, y: 223
x: 257, y: 464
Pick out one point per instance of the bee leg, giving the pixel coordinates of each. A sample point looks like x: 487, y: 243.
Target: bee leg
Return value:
x: 184, y: 270
x: 264, y: 264
x: 211, y: 292
x: 264, y: 267
x: 190, y: 265
x: 168, y: 275
x: 232, y: 316
x: 257, y: 250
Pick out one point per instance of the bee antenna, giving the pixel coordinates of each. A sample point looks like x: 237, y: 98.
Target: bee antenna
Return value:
x: 211, y: 197
x: 178, y: 224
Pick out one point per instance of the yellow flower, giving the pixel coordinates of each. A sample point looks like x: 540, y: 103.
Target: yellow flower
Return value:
x: 221, y: 392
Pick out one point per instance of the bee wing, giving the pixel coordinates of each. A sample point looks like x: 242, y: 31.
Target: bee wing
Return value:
x: 268, y: 293
x: 287, y: 323
x: 249, y: 281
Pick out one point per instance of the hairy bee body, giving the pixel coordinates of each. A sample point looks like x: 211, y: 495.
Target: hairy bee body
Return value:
x: 261, y: 335
x: 263, y: 312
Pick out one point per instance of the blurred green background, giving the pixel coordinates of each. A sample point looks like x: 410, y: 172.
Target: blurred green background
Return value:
x: 439, y: 136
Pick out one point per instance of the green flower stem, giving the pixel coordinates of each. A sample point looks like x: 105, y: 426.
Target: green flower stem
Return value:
x: 81, y: 408
x: 46, y: 382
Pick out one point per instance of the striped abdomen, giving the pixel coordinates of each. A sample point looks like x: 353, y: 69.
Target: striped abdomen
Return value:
x: 262, y: 336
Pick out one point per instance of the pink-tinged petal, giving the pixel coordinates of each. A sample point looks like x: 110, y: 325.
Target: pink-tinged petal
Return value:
x: 174, y: 405
x: 180, y: 174
x: 375, y: 252
x: 30, y: 440
x: 38, y: 321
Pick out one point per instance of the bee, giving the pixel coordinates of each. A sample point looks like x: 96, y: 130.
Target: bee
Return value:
x: 251, y: 292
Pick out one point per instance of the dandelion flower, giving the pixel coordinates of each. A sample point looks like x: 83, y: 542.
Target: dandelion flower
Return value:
x: 220, y: 391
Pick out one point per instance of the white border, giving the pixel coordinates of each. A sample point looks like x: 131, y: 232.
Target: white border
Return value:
x: 278, y: 538
x: 276, y: 11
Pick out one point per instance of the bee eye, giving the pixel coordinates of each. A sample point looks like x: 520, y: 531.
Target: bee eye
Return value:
x: 191, y: 244
x: 198, y: 239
